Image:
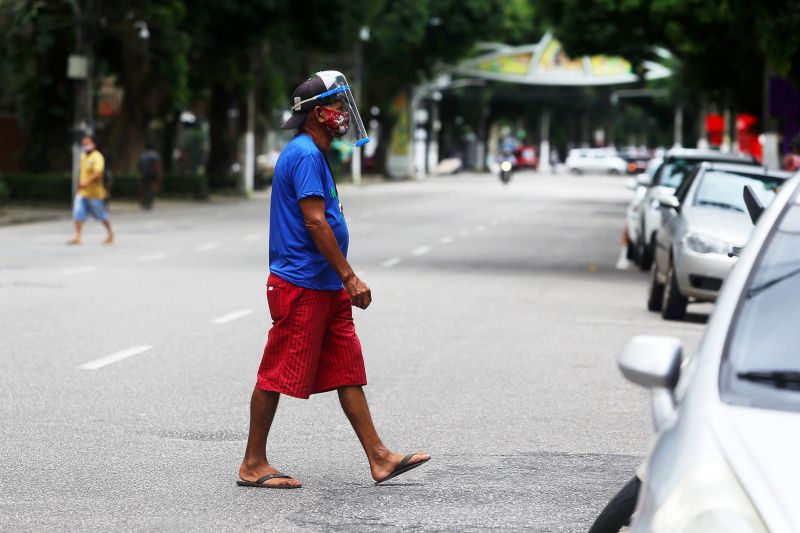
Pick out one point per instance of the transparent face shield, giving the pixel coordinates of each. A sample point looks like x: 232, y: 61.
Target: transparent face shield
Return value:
x: 339, y: 90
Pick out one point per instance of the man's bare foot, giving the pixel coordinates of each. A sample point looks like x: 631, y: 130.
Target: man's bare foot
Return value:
x: 109, y: 240
x: 385, y: 463
x: 74, y: 240
x: 252, y: 473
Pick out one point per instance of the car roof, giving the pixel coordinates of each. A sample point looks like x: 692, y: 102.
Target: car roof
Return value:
x: 746, y: 169
x: 707, y: 155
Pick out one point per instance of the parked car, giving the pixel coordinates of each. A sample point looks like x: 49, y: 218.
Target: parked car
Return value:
x: 637, y: 160
x: 526, y: 156
x: 601, y: 160
x: 728, y: 417
x: 643, y: 217
x: 702, y: 224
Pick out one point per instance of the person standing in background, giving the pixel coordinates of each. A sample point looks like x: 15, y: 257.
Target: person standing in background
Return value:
x: 151, y: 175
x: 91, y: 194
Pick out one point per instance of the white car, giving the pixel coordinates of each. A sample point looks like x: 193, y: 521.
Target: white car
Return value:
x: 597, y: 160
x: 701, y: 225
x: 642, y: 215
x: 728, y: 417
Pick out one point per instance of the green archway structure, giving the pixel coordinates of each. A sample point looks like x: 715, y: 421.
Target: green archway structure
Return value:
x: 543, y: 67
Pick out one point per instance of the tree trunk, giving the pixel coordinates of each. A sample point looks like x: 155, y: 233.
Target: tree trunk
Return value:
x: 220, y: 152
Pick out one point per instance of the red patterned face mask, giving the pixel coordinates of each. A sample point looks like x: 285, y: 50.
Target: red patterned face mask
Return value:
x: 337, y: 123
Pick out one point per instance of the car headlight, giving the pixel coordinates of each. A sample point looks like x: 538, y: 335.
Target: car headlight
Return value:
x: 705, y: 245
x: 708, y: 499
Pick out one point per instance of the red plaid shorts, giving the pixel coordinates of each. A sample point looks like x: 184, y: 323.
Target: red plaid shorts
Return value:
x: 312, y: 346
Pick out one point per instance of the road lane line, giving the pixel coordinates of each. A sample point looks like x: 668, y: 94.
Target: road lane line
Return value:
x: 391, y: 262
x: 208, y: 246
x: 252, y: 237
x: 78, y: 270
x: 463, y: 233
x: 114, y: 357
x: 447, y: 239
x: 480, y: 228
x: 422, y: 250
x: 231, y: 316
x: 152, y: 257
x: 494, y: 222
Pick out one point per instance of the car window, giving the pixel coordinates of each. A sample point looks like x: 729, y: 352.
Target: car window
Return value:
x: 724, y: 190
x: 764, y: 335
x: 673, y: 171
x: 686, y: 184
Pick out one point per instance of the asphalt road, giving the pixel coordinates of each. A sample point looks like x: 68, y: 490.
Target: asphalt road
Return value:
x: 498, y: 313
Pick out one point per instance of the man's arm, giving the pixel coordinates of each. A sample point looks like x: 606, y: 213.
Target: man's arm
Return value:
x: 313, y: 208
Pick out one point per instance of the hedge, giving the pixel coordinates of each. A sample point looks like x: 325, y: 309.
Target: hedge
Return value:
x: 57, y: 187
x: 3, y: 193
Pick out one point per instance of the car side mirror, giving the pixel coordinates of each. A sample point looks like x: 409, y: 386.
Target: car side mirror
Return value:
x: 654, y: 363
x: 667, y: 199
x: 645, y: 180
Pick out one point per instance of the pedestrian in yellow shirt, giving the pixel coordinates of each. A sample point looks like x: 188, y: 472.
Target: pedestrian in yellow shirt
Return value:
x: 91, y: 195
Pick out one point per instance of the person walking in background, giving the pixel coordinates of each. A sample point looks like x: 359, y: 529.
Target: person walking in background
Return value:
x: 91, y: 194
x: 312, y: 346
x: 151, y: 175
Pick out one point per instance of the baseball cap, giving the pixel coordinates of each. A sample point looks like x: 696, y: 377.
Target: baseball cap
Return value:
x: 308, y: 89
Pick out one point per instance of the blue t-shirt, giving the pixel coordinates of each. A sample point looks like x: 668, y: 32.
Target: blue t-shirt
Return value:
x: 301, y: 171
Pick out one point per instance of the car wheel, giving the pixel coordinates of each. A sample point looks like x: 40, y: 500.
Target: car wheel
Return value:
x: 673, y: 303
x: 614, y: 172
x: 618, y: 511
x: 630, y: 251
x: 644, y: 252
x: 576, y: 171
x: 656, y: 291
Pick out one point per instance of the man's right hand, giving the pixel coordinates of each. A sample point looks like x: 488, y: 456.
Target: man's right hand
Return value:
x: 360, y: 294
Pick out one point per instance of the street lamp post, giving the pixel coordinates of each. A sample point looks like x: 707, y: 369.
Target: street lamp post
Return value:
x: 79, y: 68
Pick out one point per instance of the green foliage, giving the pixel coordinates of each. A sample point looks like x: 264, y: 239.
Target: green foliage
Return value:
x: 721, y: 45
x: 3, y: 193
x: 57, y: 188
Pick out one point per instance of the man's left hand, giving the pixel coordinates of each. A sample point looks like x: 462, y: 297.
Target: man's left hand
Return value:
x: 360, y: 294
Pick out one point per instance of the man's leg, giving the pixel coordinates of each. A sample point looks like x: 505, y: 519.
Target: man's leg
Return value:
x: 78, y: 229
x: 263, y: 405
x: 382, y: 461
x: 110, y: 238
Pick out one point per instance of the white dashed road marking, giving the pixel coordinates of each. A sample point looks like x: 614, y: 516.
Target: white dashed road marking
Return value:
x: 231, y: 316
x: 78, y: 270
x: 422, y: 250
x: 152, y: 257
x: 114, y: 357
x: 208, y: 247
x: 391, y: 262
x: 252, y: 237
x: 463, y: 233
x: 447, y: 239
x: 480, y: 228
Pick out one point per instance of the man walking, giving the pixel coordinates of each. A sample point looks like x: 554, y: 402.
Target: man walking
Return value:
x: 312, y: 346
x: 150, y: 172
x: 90, y: 198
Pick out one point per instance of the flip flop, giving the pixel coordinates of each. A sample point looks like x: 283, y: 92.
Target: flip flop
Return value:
x: 262, y: 482
x: 403, y: 467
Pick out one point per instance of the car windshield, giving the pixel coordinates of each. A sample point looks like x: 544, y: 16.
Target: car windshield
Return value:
x: 762, y: 349
x: 723, y: 189
x: 672, y: 172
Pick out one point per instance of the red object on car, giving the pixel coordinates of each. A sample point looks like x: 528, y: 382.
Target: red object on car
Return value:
x: 526, y: 156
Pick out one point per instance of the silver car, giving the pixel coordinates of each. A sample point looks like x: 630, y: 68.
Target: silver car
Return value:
x: 701, y: 225
x: 728, y: 418
x: 643, y: 215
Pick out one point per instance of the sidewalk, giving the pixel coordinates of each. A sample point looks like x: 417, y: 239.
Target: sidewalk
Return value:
x: 12, y: 214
